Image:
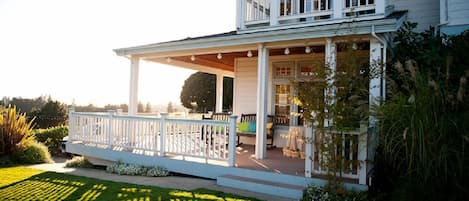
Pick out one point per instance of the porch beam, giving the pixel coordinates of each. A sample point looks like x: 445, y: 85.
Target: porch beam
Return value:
x: 219, y: 93
x: 133, y: 89
x: 262, y: 73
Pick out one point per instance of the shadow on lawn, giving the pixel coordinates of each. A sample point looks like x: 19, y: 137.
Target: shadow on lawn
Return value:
x: 56, y: 186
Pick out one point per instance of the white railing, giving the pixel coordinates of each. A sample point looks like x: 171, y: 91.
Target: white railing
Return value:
x: 275, y: 12
x: 348, y: 153
x: 209, y: 140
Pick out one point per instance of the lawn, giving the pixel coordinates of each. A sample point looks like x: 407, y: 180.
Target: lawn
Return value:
x: 21, y: 183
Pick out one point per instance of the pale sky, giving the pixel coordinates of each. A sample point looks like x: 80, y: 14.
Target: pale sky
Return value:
x: 63, y: 48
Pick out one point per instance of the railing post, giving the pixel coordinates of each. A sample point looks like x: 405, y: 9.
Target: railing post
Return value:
x: 309, y: 154
x: 162, y: 133
x: 274, y: 12
x: 362, y: 153
x: 71, y: 115
x: 338, y: 6
x: 232, y: 141
x: 109, y: 130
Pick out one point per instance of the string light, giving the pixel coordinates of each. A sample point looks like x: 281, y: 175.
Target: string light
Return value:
x: 308, y: 49
x: 219, y: 56
x: 287, y: 51
x: 192, y: 58
x: 249, y: 53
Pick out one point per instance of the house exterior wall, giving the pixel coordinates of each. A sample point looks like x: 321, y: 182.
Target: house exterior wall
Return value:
x: 454, y: 16
x: 458, y: 12
x: 425, y: 12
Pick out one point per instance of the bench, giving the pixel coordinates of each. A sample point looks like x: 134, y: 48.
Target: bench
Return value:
x: 217, y: 117
x: 252, y: 118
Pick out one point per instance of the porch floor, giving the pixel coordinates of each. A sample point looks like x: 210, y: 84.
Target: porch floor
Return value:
x: 274, y: 162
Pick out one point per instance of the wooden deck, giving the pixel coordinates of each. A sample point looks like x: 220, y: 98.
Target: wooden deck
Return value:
x: 274, y: 162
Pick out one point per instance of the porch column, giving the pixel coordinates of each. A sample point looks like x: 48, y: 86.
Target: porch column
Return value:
x: 219, y: 94
x: 133, y: 95
x: 368, y: 143
x: 331, y: 61
x: 262, y: 73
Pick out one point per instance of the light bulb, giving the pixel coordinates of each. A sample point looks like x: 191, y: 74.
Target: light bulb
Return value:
x: 168, y: 59
x: 192, y: 58
x: 287, y: 51
x: 249, y: 53
x: 219, y: 56
x: 308, y: 49
x: 354, y: 46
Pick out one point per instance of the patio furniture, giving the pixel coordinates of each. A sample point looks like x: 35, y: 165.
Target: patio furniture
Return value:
x: 250, y: 119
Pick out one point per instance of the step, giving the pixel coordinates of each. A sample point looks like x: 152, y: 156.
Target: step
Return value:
x: 262, y: 186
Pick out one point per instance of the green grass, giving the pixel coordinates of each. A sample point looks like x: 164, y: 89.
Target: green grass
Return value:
x: 20, y: 183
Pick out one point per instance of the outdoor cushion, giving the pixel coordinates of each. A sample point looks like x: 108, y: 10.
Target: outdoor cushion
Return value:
x: 252, y: 127
x: 269, y: 128
x: 243, y: 126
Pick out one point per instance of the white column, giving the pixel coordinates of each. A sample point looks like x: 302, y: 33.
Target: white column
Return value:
x: 232, y: 142
x: 337, y: 7
x: 262, y: 74
x: 133, y: 95
x: 376, y: 93
x: 219, y: 94
x: 274, y: 12
x: 331, y: 60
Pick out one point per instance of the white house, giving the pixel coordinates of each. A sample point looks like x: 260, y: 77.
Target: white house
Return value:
x: 275, y: 41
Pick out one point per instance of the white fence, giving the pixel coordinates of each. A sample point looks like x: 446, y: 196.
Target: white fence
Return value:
x: 205, y: 139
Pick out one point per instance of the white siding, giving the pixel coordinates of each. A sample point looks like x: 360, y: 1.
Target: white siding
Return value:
x: 245, y: 86
x: 458, y: 12
x: 425, y: 12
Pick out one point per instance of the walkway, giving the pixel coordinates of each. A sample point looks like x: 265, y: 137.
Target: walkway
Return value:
x: 176, y: 182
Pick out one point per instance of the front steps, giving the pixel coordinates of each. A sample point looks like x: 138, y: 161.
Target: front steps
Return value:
x: 262, y: 186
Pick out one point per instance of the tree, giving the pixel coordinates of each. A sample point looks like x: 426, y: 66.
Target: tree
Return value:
x: 140, y: 107
x: 170, y: 107
x: 199, y: 92
x: 148, y: 108
x: 53, y: 113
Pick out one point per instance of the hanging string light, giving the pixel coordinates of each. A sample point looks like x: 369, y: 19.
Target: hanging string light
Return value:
x: 287, y: 51
x: 249, y: 53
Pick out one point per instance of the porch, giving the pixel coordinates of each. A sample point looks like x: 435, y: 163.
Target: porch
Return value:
x: 195, y: 141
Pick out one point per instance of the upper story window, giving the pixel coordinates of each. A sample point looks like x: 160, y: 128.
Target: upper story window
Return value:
x: 284, y: 69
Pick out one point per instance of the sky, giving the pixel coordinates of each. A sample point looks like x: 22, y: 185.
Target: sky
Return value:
x: 63, y: 48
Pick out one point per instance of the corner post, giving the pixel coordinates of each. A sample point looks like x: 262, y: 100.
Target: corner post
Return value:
x: 109, y: 130
x: 71, y: 121
x: 162, y: 133
x: 232, y: 141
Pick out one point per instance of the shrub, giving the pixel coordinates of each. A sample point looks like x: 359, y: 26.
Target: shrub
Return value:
x: 78, y: 161
x: 316, y: 193
x: 132, y: 169
x: 14, y: 130
x: 51, y: 137
x: 33, y: 152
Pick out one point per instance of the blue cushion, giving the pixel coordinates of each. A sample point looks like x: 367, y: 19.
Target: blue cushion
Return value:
x: 252, y: 127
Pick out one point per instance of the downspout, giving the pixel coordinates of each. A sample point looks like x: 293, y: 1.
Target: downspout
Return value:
x: 384, y: 46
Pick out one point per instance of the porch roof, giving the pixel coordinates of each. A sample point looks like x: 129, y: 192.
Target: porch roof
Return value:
x: 234, y: 41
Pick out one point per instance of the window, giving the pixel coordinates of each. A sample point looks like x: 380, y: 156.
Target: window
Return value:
x: 284, y: 69
x: 282, y: 104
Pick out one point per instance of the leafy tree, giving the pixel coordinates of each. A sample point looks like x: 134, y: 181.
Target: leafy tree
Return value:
x: 199, y: 92
x: 53, y: 113
x: 140, y: 107
x: 170, y: 107
x: 148, y: 108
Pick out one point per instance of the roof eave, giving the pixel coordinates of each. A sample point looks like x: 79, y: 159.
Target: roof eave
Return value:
x: 331, y: 30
